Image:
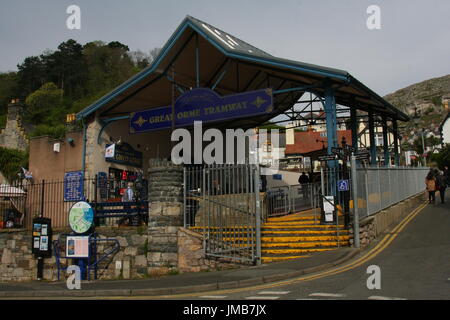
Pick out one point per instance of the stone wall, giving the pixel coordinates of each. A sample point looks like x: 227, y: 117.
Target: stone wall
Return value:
x: 377, y: 225
x: 18, y: 263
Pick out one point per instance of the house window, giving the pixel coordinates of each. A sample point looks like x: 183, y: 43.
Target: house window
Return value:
x: 379, y: 140
x: 267, y: 148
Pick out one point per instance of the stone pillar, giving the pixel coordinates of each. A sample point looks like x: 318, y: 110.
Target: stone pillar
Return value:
x: 165, y: 215
x: 13, y: 136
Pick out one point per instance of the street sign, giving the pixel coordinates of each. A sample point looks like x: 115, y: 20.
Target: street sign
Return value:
x: 349, y: 149
x: 363, y: 156
x: 337, y: 150
x: 343, y: 185
x: 329, y: 157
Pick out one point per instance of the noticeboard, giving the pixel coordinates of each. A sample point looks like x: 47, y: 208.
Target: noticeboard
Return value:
x: 41, y: 237
x: 73, y: 186
x: 77, y: 247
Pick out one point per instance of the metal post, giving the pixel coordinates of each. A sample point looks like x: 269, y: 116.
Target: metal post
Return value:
x: 395, y: 128
x: 257, y: 217
x: 387, y: 160
x: 354, y: 128
x: 184, y: 198
x: 197, y: 61
x: 330, y: 112
x: 423, y: 147
x: 42, y: 199
x: 373, y: 147
x: 355, y: 203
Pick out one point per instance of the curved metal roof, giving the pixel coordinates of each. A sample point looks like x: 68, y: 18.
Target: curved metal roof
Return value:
x: 218, y: 50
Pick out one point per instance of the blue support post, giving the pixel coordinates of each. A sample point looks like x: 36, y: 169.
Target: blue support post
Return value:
x: 387, y: 159
x: 330, y: 111
x: 373, y: 147
x: 396, y: 154
x: 354, y: 127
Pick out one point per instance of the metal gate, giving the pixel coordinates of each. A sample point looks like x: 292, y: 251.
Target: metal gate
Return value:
x: 222, y: 202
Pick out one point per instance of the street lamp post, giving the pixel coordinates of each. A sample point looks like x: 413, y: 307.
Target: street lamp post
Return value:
x: 416, y: 119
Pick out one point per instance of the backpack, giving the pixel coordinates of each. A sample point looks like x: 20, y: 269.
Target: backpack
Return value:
x: 431, y: 184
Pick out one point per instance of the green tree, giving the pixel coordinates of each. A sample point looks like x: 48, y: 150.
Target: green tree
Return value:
x: 11, y: 161
x: 44, y: 106
x: 443, y: 157
x: 32, y: 75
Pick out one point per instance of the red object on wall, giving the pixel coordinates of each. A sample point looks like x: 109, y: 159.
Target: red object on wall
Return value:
x: 124, y: 175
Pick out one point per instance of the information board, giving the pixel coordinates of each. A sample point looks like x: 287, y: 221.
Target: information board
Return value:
x: 73, y: 186
x: 41, y: 237
x: 77, y: 247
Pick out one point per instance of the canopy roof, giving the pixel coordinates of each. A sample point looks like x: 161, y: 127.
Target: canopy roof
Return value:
x: 199, y: 54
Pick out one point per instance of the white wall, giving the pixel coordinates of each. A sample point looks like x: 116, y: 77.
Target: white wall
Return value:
x: 446, y: 131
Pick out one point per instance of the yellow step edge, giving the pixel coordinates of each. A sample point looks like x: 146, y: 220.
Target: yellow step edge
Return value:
x: 323, y: 226
x: 305, y: 245
x: 303, y: 232
x: 303, y: 239
x: 295, y: 251
x: 293, y: 223
x: 285, y: 239
x: 293, y: 218
x: 276, y: 259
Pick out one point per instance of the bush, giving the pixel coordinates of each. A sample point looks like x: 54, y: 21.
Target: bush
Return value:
x: 11, y: 161
x: 56, y: 132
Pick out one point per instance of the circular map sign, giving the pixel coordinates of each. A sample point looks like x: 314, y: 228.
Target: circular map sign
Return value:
x: 81, y: 217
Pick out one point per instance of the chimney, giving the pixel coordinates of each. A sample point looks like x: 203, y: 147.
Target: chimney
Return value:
x: 15, y: 108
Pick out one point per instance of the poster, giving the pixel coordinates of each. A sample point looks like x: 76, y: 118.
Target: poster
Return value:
x: 36, y: 229
x: 77, y: 247
x: 36, y: 243
x: 328, y: 208
x: 44, y: 230
x: 44, y: 243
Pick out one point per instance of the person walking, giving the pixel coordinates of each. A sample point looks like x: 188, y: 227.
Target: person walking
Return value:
x: 441, y: 185
x: 446, y: 174
x: 430, y: 182
x: 304, y: 181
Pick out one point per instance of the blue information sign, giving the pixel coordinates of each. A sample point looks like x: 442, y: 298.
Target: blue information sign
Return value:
x: 73, y: 186
x: 203, y: 104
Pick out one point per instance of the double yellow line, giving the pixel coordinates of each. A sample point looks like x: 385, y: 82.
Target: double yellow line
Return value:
x: 368, y: 256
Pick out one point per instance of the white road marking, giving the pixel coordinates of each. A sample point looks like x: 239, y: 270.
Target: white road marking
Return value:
x: 274, y: 292
x: 262, y: 298
x: 213, y: 297
x: 327, y: 295
x: 384, y: 298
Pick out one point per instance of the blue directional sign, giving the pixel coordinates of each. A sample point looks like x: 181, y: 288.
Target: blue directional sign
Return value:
x: 343, y: 185
x: 203, y: 104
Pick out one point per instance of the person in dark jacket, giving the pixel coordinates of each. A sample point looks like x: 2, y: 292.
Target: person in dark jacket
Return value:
x: 441, y: 182
x: 446, y: 174
x: 304, y: 182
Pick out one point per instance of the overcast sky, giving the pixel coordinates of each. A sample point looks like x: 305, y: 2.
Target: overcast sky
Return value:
x: 412, y: 45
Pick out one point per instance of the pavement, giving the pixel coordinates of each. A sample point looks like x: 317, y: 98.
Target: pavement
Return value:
x: 184, y: 283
